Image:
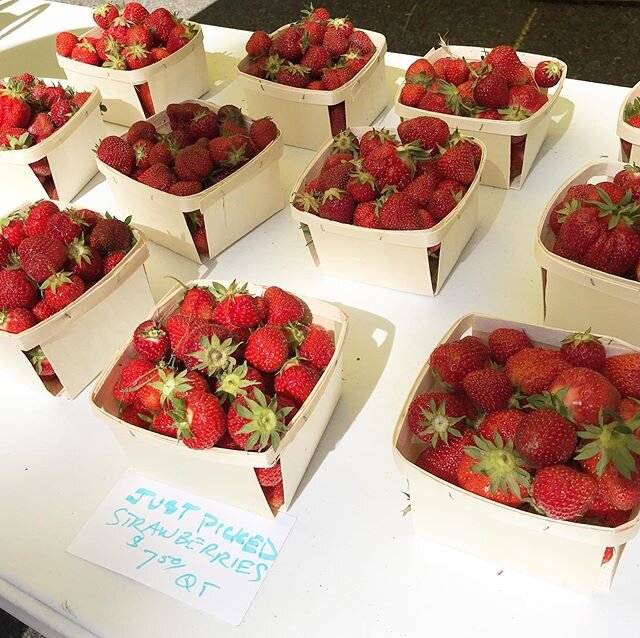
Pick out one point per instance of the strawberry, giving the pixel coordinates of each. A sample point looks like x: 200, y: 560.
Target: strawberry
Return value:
x: 579, y: 233
x: 621, y: 492
x: 527, y: 98
x: 184, y: 189
x: 40, y: 362
x: 230, y: 151
x: 133, y: 376
x: 533, y: 370
x: 160, y: 22
x: 14, y: 109
x: 41, y: 256
x: 267, y: 349
x: 117, y: 153
x: 505, y: 342
x: 442, y: 202
x: 262, y: 132
x: 111, y: 261
x: 202, y: 423
x: 360, y: 41
x: 337, y: 205
x: 505, y: 62
x: 199, y: 303
x: 5, y: 251
x: 547, y: 73
x: 494, y: 470
x: 283, y: 307
x: 296, y: 381
x: 314, y: 31
x: 15, y: 138
x: 443, y: 460
x: 259, y: 44
x: 457, y: 162
x: 134, y: 12
x: 491, y: 91
x: 62, y: 227
x: 158, y: 176
x: 42, y: 311
x: 294, y: 75
x: 151, y: 341
x: 41, y: 127
x: 504, y: 422
x: 489, y: 389
x: 317, y: 346
x: 86, y: 53
x: 61, y: 289
x: 436, y: 416
x: 399, y: 212
x: 256, y: 423
x: 138, y: 34
x: 629, y: 179
x: 562, y: 492
x: 193, y: 163
x: 616, y: 250
x: 584, y: 393
x: 373, y: 139
x: 624, y: 372
x: 65, y: 43
x: 269, y: 476
x: 335, y: 42
x: 412, y: 95
x: 110, y: 235
x: 204, y: 123
x: 366, y: 214
x: 16, y: 320
x: 208, y: 349
x: 454, y: 360
x: 335, y: 177
x: 136, y: 56
x: 107, y: 46
x: 288, y: 43
x: 334, y: 78
x: 181, y: 34
x: 137, y: 416
x: 35, y: 223
x: 16, y: 290
x: 544, y: 437
x: 316, y: 59
x: 431, y: 132
x: 104, y: 14
x: 13, y: 230
x: 361, y: 186
x: 83, y: 260
x: 239, y: 381
x: 61, y: 111
x: 420, y: 66
x: 274, y: 495
x: 159, y: 53
x: 422, y: 187
x: 393, y: 166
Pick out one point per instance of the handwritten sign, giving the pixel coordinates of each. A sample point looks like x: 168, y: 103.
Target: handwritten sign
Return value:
x: 206, y: 554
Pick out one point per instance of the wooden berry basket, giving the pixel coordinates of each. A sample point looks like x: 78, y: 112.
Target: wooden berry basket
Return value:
x: 231, y: 208
x: 226, y: 475
x: 496, y: 134
x: 302, y: 115
x: 573, y: 294
x: 566, y: 552
x: 80, y: 339
x: 629, y: 133
x: 70, y: 151
x: 396, y: 259
x: 180, y: 76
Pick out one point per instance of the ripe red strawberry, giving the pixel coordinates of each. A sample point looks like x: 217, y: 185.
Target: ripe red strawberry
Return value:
x: 412, y: 95
x: 138, y: 34
x: 267, y: 349
x: 258, y: 44
x: 334, y: 78
x: 5, y: 251
x: 204, y: 123
x: 151, y: 341
x: 65, y: 42
x: 491, y: 91
x: 361, y: 186
x: 373, y: 139
x: 392, y: 166
x: 360, y: 41
x: 458, y: 163
x: 504, y: 422
x: 288, y: 43
x: 16, y: 290
x: 107, y: 46
x: 621, y: 492
x: 13, y: 230
x: 117, y: 153
x: 41, y: 127
x: 431, y: 132
x: 335, y: 177
x: 544, y: 437
x: 420, y: 66
x: 399, y: 212
x: 296, y: 380
x: 15, y: 138
x: 41, y: 256
x: 134, y: 12
x: 198, y: 303
x: 133, y: 376
x: 562, y: 492
x: 436, y: 417
x: 184, y: 189
x: 104, y: 14
x: 494, y: 470
x: 262, y: 132
x: 274, y: 495
x: 489, y: 389
x: 62, y: 227
x: 335, y: 42
x: 230, y: 151
x: 35, y: 223
x: 505, y: 61
x: 112, y: 260
x: 160, y: 22
x: 255, y: 422
x: 624, y: 372
x: 269, y: 476
x: 423, y: 186
x: 61, y: 289
x: 629, y: 179
x: 86, y: 53
x: 454, y: 360
x: 505, y: 342
x: 193, y: 163
x: 443, y: 460
x: 547, y: 73
x: 137, y: 56
x: 208, y: 348
x: 244, y: 311
x: 165, y: 424
x: 110, y: 235
x: 283, y: 307
x: 83, y: 260
x: 317, y: 346
x: 442, y: 202
x: 137, y: 416
x: 294, y: 75
x: 616, y: 250
x: 366, y: 214
x: 41, y: 363
x: 579, y: 232
x: 533, y: 370
x: 61, y: 111
x: 316, y: 59
x: 158, y: 176
x: 203, y: 421
x: 42, y: 311
x: 16, y: 320
x: 337, y: 205
x: 181, y: 34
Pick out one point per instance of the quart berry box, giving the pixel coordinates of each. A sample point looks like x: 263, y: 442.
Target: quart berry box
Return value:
x: 79, y: 341
x: 226, y: 475
x: 302, y: 115
x: 628, y: 133
x: 572, y: 293
x: 566, y: 552
x: 231, y: 208
x: 398, y: 259
x: 180, y: 76
x: 496, y: 134
x: 69, y: 150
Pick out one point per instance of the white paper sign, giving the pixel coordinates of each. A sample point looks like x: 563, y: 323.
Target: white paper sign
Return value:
x: 206, y: 554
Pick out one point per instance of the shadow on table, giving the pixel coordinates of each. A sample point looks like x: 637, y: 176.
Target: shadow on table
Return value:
x: 367, y: 349
x: 561, y: 116
x: 222, y: 67
x: 16, y: 21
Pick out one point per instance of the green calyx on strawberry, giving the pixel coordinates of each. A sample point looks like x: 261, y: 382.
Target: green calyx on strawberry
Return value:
x: 234, y: 382
x: 344, y: 142
x: 273, y: 65
x: 37, y: 358
x: 612, y: 442
x: 78, y: 251
x: 453, y: 99
x: 13, y: 262
x: 422, y: 78
x: 500, y: 463
x: 116, y: 62
x: 266, y: 421
x: 626, y: 210
x: 15, y: 142
x: 306, y: 202
x: 169, y: 383
x: 551, y: 401
x: 214, y: 356
x: 221, y: 292
x: 56, y: 280
x: 567, y: 210
x: 514, y: 113
x: 436, y: 423
x: 581, y: 337
x: 631, y: 109
x: 296, y: 334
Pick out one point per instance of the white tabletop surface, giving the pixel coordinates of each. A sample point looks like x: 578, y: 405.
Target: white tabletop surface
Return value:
x: 352, y: 565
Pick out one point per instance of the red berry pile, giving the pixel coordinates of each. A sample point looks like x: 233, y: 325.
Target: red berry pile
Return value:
x: 227, y: 369
x: 131, y: 37
x: 555, y: 431
x: 200, y: 149
x: 31, y: 111
x: 380, y: 181
x: 631, y: 116
x: 50, y: 257
x: 598, y: 225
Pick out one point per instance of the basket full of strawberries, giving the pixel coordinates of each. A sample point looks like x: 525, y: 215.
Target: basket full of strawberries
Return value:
x: 588, y: 247
x: 226, y: 390
x: 391, y: 208
x: 316, y: 77
x: 197, y: 177
x: 520, y: 444
x: 47, y: 134
x: 72, y: 283
x: 140, y: 60
x: 501, y: 96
